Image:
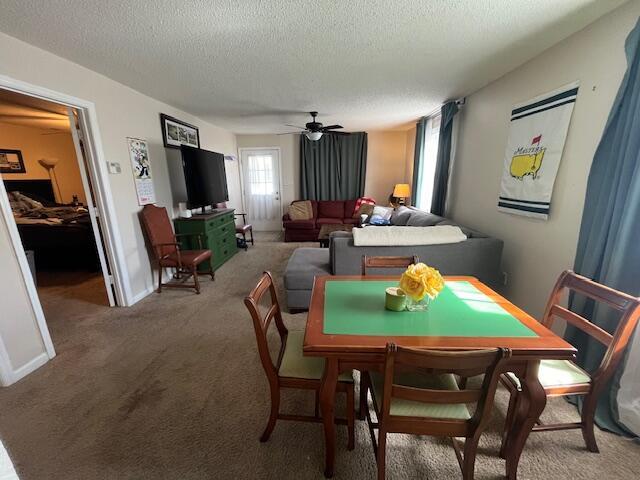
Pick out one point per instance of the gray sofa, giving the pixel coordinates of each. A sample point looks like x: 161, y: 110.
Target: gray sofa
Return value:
x: 478, y: 256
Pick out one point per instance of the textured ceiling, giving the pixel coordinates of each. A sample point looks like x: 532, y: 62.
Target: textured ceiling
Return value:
x: 251, y: 66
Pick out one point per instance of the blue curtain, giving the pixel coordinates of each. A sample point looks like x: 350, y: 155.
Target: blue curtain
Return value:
x: 443, y: 161
x: 418, y: 158
x: 609, y: 243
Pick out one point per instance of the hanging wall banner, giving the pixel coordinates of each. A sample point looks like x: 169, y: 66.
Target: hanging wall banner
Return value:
x: 139, y: 154
x: 537, y: 134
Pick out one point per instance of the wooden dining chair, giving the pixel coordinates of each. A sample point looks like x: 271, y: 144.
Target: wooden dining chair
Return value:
x: 418, y: 394
x: 563, y: 377
x: 291, y: 369
x: 387, y: 262
x: 168, y: 251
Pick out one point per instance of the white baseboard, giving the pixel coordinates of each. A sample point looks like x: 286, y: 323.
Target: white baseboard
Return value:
x: 28, y: 367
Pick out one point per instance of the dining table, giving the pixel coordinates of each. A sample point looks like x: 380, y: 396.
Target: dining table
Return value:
x: 348, y: 325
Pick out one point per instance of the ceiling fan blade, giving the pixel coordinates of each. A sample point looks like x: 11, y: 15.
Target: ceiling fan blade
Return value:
x: 333, y: 132
x: 332, y: 127
x: 294, y: 126
x: 290, y: 133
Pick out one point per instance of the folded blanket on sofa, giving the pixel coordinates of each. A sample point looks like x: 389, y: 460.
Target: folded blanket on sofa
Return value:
x: 398, y: 236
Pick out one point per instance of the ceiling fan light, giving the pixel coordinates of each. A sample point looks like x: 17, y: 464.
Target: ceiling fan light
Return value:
x: 314, y: 136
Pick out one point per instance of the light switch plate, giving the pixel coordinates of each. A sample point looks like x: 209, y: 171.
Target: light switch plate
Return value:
x: 114, y: 167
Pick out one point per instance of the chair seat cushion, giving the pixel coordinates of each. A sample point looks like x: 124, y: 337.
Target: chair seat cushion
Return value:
x: 556, y: 373
x: 299, y: 224
x: 188, y: 257
x: 296, y: 365
x: 243, y: 228
x: 409, y: 408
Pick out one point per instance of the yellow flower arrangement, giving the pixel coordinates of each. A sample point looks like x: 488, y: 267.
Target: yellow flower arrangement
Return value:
x: 420, y: 280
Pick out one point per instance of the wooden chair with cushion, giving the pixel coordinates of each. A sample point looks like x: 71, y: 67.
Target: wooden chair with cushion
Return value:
x: 167, y: 250
x: 387, y: 262
x: 291, y: 369
x: 241, y: 229
x: 562, y: 377
x: 418, y: 394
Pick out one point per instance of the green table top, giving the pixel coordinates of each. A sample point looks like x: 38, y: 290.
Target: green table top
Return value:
x: 461, y: 310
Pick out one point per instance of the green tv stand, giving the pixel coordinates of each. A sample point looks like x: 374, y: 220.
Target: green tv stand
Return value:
x: 218, y: 232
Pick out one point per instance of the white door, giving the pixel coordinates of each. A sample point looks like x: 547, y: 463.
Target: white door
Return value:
x: 76, y: 133
x: 261, y: 187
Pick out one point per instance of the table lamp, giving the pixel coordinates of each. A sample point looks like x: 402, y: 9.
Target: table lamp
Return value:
x: 401, y: 191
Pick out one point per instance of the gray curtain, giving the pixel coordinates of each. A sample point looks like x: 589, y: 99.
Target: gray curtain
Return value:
x: 609, y: 243
x: 334, y: 167
x: 418, y: 157
x: 443, y: 162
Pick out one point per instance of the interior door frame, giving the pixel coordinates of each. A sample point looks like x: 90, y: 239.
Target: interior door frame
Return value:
x: 97, y: 165
x: 241, y: 170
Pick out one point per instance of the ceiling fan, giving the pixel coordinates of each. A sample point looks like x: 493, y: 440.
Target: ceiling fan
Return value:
x: 314, y: 130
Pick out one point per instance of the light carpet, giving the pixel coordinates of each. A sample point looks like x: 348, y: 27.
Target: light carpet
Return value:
x: 172, y: 388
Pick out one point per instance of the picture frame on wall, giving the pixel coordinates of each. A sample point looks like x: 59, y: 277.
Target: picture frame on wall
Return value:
x: 11, y: 161
x: 176, y: 133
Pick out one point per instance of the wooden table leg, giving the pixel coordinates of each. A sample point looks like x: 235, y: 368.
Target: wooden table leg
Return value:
x: 327, y: 408
x: 529, y: 408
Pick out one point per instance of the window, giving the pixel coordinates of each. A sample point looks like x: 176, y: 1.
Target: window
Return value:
x: 428, y: 167
x: 260, y: 174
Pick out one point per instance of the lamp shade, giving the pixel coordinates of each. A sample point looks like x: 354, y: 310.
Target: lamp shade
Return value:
x: 401, y: 190
x: 48, y: 163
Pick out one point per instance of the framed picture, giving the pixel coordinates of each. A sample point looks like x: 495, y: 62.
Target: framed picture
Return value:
x: 176, y: 133
x: 11, y: 161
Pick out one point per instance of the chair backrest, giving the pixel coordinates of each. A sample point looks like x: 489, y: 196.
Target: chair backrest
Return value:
x: 387, y: 262
x: 436, y: 362
x: 627, y: 305
x: 262, y: 322
x: 157, y: 225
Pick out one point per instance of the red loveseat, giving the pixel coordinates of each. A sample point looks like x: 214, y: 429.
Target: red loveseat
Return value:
x: 325, y: 212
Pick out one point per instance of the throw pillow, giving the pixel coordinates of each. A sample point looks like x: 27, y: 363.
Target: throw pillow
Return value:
x: 301, y: 210
x: 365, y: 209
x: 362, y: 201
x: 384, y: 212
x: 401, y: 216
x: 423, y: 219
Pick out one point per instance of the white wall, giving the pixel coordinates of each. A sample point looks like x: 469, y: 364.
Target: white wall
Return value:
x: 122, y: 112
x: 537, y: 251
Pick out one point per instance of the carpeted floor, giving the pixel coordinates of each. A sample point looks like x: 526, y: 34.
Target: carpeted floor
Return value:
x: 172, y: 388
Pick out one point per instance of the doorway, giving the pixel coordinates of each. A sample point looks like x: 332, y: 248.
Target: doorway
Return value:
x: 55, y: 117
x: 261, y: 186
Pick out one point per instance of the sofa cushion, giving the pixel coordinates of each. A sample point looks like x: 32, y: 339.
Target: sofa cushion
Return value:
x: 350, y: 221
x: 400, y: 216
x: 304, y: 265
x: 299, y: 224
x: 329, y: 221
x: 301, y: 210
x: 423, y: 219
x: 331, y: 209
x: 350, y: 208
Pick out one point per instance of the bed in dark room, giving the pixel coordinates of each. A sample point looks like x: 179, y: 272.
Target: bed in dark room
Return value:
x: 60, y: 236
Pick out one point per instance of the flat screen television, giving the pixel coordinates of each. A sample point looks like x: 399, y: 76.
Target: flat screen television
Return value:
x: 205, y: 177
